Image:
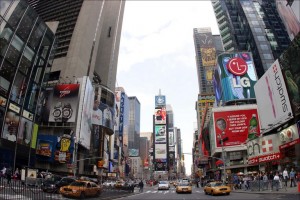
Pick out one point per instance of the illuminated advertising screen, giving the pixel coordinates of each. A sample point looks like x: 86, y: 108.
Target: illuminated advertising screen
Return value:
x: 289, y: 63
x: 237, y: 75
x: 133, y: 152
x: 235, y: 126
x: 160, y: 115
x: 272, y: 98
x: 160, y: 134
x: 160, y: 151
x: 11, y: 126
x: 64, y: 103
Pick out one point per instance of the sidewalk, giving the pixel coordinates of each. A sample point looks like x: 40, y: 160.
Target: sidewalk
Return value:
x: 287, y: 190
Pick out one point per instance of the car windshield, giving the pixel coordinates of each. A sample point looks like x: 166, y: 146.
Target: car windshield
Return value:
x: 163, y: 182
x: 81, y: 184
x: 216, y: 184
x: 184, y: 184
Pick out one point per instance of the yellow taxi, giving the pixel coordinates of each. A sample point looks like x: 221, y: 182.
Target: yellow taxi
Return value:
x: 215, y: 188
x: 81, y: 189
x: 119, y: 184
x: 183, y: 187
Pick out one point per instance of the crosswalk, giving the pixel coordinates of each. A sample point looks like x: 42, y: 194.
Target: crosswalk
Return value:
x: 165, y: 192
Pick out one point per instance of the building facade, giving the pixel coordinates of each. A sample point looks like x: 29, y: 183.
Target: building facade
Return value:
x: 26, y: 56
x: 252, y: 26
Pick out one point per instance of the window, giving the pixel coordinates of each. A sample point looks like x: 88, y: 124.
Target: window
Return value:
x: 258, y: 30
x: 261, y: 38
x: 267, y: 56
x: 264, y: 47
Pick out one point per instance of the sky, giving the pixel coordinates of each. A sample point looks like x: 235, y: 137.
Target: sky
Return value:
x: 157, y: 53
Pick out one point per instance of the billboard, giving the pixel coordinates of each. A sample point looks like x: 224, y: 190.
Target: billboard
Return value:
x: 235, y: 126
x: 11, y: 126
x: 171, y: 138
x: 160, y: 115
x: 160, y: 151
x: 289, y: 136
x: 237, y: 75
x: 85, y: 110
x: 263, y: 149
x: 160, y: 101
x: 207, y: 47
x: 289, y: 18
x: 64, y: 103
x: 133, y: 152
x: 121, y: 120
x: 160, y: 134
x: 273, y: 103
x: 289, y: 62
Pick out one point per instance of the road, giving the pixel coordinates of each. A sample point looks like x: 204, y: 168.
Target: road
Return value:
x: 153, y: 193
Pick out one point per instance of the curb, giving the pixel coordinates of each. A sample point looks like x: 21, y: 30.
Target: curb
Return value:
x: 274, y: 192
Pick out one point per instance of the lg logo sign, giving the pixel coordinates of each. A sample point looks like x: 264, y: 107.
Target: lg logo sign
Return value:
x: 238, y: 67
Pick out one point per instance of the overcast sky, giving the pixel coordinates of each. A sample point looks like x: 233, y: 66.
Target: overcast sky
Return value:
x: 157, y: 52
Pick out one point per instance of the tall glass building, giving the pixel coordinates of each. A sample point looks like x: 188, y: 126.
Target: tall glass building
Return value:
x: 134, y: 126
x: 252, y: 25
x: 25, y: 57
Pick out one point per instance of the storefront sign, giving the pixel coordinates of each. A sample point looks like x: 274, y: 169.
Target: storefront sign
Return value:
x: 264, y: 158
x: 297, y: 141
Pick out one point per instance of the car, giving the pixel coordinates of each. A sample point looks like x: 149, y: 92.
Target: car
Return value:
x: 119, y: 184
x: 81, y: 189
x: 49, y: 185
x: 64, y: 182
x: 183, y: 187
x: 163, y: 185
x: 215, y: 188
x: 109, y: 183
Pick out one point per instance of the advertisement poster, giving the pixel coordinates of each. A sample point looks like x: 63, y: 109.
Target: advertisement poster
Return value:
x: 133, y: 152
x: 160, y: 151
x: 160, y: 115
x: 237, y: 75
x: 44, y: 148
x: 235, y: 126
x: 25, y: 131
x: 64, y: 103
x: 272, y: 98
x: 160, y: 134
x: 171, y: 138
x: 11, y: 126
x: 207, y: 47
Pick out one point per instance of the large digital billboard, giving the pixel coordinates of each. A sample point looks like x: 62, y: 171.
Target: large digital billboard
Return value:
x: 160, y: 151
x: 272, y: 99
x: 235, y: 125
x: 160, y: 115
x: 160, y: 101
x: 64, y: 103
x: 289, y: 62
x: 237, y: 76
x: 85, y: 111
x: 160, y: 134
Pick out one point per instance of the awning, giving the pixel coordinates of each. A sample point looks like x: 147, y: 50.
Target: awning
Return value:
x: 219, y: 162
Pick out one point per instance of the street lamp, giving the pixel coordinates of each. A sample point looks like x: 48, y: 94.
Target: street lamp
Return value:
x: 221, y: 139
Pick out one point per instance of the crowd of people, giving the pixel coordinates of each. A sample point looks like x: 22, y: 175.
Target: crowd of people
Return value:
x: 266, y: 180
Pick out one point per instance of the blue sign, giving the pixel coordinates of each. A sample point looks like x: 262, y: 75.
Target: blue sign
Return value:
x: 160, y: 101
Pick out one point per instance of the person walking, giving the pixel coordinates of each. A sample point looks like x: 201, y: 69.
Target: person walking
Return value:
x: 276, y: 181
x: 292, y: 177
x: 8, y: 175
x: 141, y: 185
x: 285, y: 175
x: 265, y: 181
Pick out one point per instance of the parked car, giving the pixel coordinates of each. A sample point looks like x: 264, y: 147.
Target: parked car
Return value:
x: 183, y: 187
x: 163, y: 185
x: 215, y: 188
x: 81, y: 189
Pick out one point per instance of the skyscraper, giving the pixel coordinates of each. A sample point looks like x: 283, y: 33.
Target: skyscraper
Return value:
x: 207, y: 46
x: 252, y: 25
x: 134, y: 126
x: 88, y: 37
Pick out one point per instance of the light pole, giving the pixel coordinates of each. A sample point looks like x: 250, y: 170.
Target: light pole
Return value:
x: 221, y: 139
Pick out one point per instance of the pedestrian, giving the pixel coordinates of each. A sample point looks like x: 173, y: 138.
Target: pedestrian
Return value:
x: 285, y: 175
x: 292, y: 177
x: 8, y: 175
x: 265, y: 181
x: 271, y: 177
x: 141, y: 185
x: 276, y: 180
x: 3, y: 172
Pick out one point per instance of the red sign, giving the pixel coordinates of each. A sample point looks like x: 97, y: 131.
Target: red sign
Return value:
x: 264, y: 158
x: 235, y: 125
x: 237, y: 66
x: 289, y: 144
